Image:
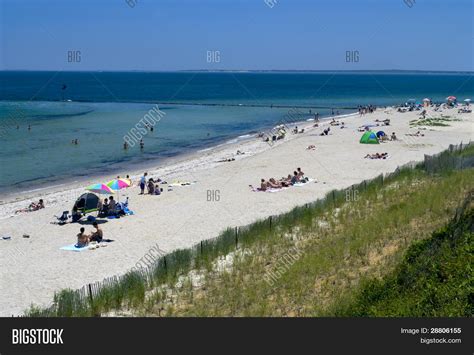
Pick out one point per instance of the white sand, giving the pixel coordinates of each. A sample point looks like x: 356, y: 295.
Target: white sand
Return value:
x: 31, y: 270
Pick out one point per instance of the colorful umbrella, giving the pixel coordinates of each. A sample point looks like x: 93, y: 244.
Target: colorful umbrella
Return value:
x: 118, y: 184
x: 99, y: 189
x: 451, y: 98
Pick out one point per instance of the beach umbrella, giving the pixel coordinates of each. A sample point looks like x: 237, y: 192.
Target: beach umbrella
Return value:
x: 118, y: 184
x: 467, y: 100
x: 99, y: 189
x: 451, y: 98
x: 426, y: 99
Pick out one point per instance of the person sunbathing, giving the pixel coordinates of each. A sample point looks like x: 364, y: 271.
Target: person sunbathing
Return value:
x: 393, y: 137
x: 158, y: 190
x: 311, y: 147
x: 112, y: 204
x: 104, y: 209
x: 263, y: 185
x: 82, y: 239
x: 295, y: 178
x: 325, y: 132
x: 272, y: 183
x: 285, y: 182
x: 76, y: 214
x: 417, y: 134
x: 300, y: 173
x: 37, y: 206
x: 377, y: 156
x: 151, y: 186
x: 225, y: 160
x: 97, y: 235
x: 32, y: 207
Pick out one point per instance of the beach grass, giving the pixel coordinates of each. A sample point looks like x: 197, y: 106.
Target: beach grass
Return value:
x: 360, y: 239
x: 301, y: 263
x: 434, y: 279
x: 442, y: 121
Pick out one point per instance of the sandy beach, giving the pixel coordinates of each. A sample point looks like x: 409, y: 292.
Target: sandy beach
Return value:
x: 32, y: 269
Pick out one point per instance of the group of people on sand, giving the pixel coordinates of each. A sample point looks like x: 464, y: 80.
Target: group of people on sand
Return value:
x: 32, y: 207
x: 272, y: 183
x: 296, y: 131
x: 385, y: 122
x: 108, y: 207
x: 366, y: 109
x: 151, y: 185
x: 153, y: 188
x: 325, y: 132
x: 84, y: 239
x: 337, y: 123
x: 377, y: 156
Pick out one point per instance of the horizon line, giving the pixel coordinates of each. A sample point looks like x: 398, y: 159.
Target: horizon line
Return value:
x: 242, y: 70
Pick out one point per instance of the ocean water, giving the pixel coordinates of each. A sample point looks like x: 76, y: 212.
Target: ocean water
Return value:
x: 199, y: 110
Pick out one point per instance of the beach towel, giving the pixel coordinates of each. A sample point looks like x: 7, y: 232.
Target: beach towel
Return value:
x: 182, y: 183
x: 73, y: 247
x: 299, y: 184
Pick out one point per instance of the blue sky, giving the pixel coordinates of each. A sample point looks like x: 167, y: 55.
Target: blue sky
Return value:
x: 249, y: 34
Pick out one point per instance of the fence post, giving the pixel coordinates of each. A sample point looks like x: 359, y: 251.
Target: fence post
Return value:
x: 236, y: 237
x: 270, y: 220
x: 164, y: 260
x: 90, y: 292
x: 201, y: 247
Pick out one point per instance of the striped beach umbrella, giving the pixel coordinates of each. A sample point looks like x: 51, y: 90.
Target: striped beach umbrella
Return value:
x: 118, y: 184
x: 99, y: 189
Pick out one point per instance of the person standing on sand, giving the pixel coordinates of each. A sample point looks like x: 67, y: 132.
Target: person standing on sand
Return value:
x: 143, y: 183
x: 125, y: 145
x: 142, y: 145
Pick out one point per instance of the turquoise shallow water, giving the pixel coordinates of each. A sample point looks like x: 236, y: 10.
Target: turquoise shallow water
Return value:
x: 103, y: 107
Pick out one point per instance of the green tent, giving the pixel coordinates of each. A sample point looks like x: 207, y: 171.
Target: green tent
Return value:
x: 369, y: 137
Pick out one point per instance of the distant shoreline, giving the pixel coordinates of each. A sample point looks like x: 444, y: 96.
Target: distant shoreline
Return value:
x: 276, y: 71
